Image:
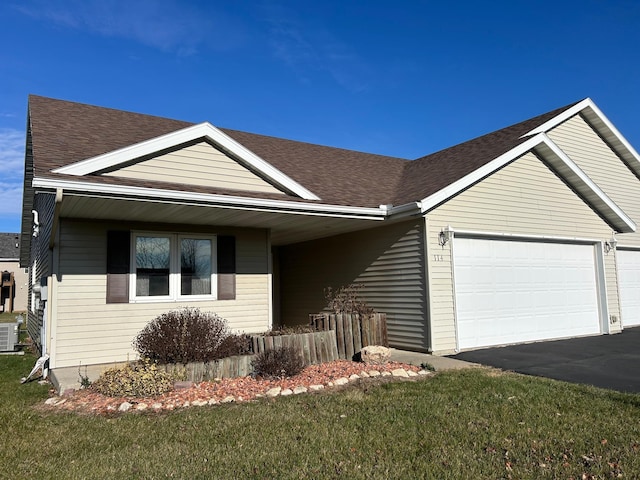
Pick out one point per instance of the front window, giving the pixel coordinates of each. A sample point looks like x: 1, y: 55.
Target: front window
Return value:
x: 172, y: 266
x: 196, y: 260
x: 153, y: 266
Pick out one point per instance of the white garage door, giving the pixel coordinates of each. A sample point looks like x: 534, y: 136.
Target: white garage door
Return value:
x: 629, y: 278
x: 513, y: 292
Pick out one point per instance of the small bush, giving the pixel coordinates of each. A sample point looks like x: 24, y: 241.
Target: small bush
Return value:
x: 346, y: 299
x: 278, y: 363
x: 139, y: 379
x: 296, y: 329
x: 183, y: 336
x: 234, y: 345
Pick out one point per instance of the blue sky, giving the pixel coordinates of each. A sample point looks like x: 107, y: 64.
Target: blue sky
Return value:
x: 403, y: 78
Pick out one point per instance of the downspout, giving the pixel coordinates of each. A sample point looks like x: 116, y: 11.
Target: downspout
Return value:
x: 36, y: 223
x: 427, y: 284
x: 52, y: 304
x: 56, y: 217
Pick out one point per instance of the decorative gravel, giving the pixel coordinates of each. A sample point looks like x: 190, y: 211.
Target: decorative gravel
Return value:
x: 312, y: 379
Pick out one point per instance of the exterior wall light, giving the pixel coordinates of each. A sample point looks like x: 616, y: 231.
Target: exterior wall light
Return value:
x: 610, y: 244
x: 445, y: 236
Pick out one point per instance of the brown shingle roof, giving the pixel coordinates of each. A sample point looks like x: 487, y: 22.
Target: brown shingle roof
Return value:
x: 336, y: 175
x: 427, y: 175
x: 9, y: 246
x: 66, y: 132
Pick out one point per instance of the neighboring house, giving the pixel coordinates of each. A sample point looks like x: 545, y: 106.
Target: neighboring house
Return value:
x: 13, y: 296
x: 510, y: 237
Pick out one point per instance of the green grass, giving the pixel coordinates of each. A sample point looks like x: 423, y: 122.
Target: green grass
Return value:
x: 6, y: 317
x: 467, y: 424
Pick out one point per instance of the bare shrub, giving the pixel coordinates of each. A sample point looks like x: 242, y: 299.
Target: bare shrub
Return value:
x: 234, y: 345
x: 346, y: 299
x: 278, y: 363
x: 284, y: 330
x: 183, y: 336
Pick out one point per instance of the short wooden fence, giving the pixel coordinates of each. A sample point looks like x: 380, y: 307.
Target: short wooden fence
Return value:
x: 352, y: 332
x: 229, y: 367
x: 315, y: 347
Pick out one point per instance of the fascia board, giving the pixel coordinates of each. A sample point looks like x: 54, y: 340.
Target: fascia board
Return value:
x: 202, y: 130
x: 558, y: 119
x: 601, y: 124
x: 465, y: 182
x: 587, y: 187
x: 402, y: 211
x: 612, y: 135
x: 173, y: 196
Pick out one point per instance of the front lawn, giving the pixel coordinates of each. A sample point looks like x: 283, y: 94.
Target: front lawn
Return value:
x: 467, y: 424
x: 6, y: 317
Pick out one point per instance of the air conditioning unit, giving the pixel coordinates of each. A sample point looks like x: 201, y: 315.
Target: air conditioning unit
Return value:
x: 8, y: 336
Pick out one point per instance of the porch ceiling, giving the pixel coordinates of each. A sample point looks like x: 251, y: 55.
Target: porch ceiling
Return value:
x: 286, y: 227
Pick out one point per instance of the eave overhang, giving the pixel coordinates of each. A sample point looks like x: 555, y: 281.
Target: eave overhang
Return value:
x: 225, y: 201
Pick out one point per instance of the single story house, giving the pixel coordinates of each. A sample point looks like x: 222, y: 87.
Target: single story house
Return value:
x: 15, y: 280
x: 524, y: 234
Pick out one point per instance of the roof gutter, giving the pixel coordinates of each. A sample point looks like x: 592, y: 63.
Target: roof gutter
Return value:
x: 401, y: 211
x: 227, y: 201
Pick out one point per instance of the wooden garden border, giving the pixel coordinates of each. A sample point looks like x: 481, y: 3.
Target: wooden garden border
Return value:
x: 352, y: 333
x: 315, y: 347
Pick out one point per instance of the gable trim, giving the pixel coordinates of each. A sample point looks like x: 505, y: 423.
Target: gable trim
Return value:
x: 542, y: 145
x: 487, y: 169
x: 587, y: 188
x: 602, y: 125
x: 562, y: 117
x: 203, y: 130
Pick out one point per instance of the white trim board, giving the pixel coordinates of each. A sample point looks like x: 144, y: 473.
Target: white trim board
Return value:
x: 226, y: 201
x: 599, y: 122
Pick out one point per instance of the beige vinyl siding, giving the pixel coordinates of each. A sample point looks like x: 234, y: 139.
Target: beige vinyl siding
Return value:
x: 387, y: 260
x: 523, y: 198
x: 89, y: 331
x: 591, y: 153
x: 44, y: 204
x: 21, y: 288
x: 200, y: 164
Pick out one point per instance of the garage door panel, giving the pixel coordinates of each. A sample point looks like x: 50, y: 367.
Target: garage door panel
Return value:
x: 629, y: 280
x: 512, y: 292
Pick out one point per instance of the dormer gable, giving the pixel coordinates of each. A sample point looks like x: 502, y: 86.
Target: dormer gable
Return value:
x: 203, y: 147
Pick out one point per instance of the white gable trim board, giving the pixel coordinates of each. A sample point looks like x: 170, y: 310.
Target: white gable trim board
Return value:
x: 561, y: 163
x: 171, y: 140
x: 511, y: 289
x: 599, y: 121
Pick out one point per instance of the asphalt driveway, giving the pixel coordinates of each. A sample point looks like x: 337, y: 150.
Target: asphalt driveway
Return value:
x: 606, y: 361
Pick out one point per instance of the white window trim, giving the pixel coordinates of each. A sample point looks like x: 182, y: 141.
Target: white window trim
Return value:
x: 174, y: 269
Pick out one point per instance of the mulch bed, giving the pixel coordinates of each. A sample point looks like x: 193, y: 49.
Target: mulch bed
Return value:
x: 225, y: 390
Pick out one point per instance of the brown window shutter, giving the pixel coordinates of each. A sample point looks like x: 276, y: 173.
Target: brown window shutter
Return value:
x: 226, y: 268
x: 118, y: 261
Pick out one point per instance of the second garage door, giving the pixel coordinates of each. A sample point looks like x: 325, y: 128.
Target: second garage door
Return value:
x: 513, y: 291
x: 629, y: 278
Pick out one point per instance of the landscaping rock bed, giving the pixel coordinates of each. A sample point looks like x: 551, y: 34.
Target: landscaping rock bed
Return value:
x: 312, y: 379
